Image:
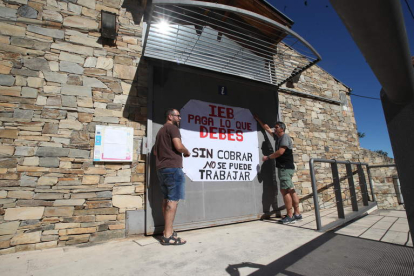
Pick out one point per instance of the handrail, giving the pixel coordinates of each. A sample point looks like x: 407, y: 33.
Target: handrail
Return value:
x: 335, y: 176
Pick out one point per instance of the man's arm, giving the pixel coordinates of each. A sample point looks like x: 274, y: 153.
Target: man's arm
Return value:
x: 264, y: 126
x: 276, y: 154
x: 178, y: 145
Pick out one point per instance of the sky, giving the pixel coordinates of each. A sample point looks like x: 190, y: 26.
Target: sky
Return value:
x: 318, y: 23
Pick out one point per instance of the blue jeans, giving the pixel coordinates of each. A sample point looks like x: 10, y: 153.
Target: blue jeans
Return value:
x: 172, y: 182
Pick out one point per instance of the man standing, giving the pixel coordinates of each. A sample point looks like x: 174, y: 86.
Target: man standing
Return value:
x: 168, y: 152
x: 286, y: 169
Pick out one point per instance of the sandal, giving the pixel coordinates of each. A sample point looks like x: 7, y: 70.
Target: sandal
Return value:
x: 174, y: 234
x: 167, y: 241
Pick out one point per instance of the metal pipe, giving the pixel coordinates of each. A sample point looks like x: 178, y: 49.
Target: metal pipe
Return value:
x: 382, y: 166
x: 370, y: 184
x: 351, y: 184
x: 315, y: 195
x: 362, y: 184
x: 337, y: 189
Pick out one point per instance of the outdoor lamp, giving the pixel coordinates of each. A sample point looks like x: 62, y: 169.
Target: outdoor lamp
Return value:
x: 108, y: 25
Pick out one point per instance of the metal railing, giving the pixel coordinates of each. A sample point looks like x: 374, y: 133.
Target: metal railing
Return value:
x: 396, y: 182
x: 338, y: 194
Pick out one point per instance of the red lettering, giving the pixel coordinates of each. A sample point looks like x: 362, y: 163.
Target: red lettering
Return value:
x: 230, y: 113
x: 230, y: 134
x: 213, y: 109
x: 190, y: 117
x: 239, y: 135
x: 203, y: 132
x: 243, y: 125
x: 222, y: 135
x: 221, y: 112
x: 212, y: 132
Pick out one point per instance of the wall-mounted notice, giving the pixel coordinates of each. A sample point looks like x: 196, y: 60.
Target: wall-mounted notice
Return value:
x: 113, y: 144
x: 222, y: 140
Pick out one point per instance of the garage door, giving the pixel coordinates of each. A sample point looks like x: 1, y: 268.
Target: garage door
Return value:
x: 209, y: 202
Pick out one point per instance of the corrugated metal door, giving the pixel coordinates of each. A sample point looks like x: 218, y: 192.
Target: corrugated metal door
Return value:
x: 211, y: 203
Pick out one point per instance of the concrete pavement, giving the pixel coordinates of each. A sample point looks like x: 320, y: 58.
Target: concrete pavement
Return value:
x: 251, y: 248
x: 209, y: 251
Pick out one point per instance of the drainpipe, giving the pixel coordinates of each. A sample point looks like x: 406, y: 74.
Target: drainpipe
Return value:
x: 378, y: 29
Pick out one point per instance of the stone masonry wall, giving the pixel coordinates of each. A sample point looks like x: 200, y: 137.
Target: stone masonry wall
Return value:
x: 58, y: 80
x: 326, y: 130
x: 383, y: 180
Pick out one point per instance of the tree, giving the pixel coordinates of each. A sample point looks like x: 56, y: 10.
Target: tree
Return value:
x: 384, y: 153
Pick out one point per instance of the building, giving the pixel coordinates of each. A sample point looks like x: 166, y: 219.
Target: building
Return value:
x: 60, y: 78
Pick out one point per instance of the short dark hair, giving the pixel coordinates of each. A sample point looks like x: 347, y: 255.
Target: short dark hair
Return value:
x: 281, y: 125
x: 169, y: 111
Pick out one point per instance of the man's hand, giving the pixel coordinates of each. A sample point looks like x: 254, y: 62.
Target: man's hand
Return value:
x: 265, y: 158
x: 187, y: 153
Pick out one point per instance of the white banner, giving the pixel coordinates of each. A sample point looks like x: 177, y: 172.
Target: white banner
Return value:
x: 222, y: 140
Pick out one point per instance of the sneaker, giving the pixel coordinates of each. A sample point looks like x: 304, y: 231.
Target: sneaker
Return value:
x: 297, y: 217
x: 287, y: 220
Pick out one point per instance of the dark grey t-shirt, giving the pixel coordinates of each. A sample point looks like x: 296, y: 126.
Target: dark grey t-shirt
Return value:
x: 286, y: 159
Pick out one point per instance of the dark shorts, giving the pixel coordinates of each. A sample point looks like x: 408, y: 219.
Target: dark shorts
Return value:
x: 172, y: 182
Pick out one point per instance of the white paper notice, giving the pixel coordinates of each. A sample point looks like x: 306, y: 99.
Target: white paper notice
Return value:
x: 115, y: 151
x: 113, y: 144
x: 115, y: 136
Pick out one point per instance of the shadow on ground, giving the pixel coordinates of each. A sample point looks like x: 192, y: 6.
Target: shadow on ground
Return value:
x: 333, y: 254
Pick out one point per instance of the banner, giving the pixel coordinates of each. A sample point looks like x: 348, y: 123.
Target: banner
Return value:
x: 222, y: 141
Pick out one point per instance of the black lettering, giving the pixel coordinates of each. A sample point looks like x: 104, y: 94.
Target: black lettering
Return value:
x: 202, y: 173
x: 235, y: 175
x: 211, y: 164
x: 208, y: 174
x: 216, y: 177
x: 247, y: 175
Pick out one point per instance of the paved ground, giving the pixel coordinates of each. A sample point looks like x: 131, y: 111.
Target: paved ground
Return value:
x: 253, y: 248
x: 390, y: 226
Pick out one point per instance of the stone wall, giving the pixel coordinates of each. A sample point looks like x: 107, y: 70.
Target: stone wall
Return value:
x: 325, y: 127
x: 383, y: 180
x: 58, y: 80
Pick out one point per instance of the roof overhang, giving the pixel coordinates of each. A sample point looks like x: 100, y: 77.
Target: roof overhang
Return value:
x: 226, y: 39
x: 378, y: 29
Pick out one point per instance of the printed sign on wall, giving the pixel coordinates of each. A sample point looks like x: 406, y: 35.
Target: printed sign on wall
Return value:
x: 113, y: 144
x: 222, y: 141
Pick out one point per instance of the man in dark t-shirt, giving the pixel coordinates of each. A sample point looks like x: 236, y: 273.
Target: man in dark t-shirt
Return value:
x: 168, y: 151
x: 285, y: 167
